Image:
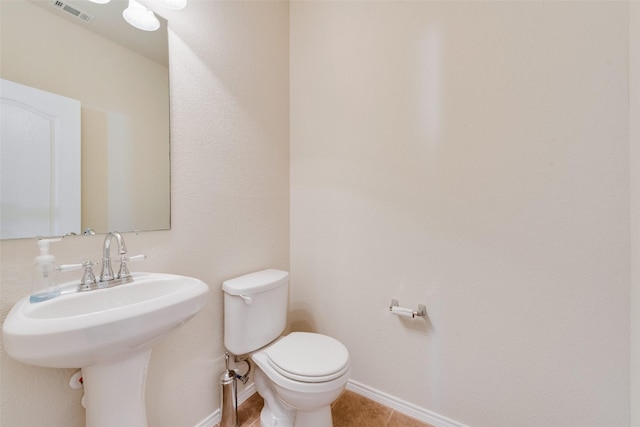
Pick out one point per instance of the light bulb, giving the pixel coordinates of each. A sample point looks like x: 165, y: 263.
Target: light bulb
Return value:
x: 100, y: 1
x: 173, y: 4
x: 140, y: 17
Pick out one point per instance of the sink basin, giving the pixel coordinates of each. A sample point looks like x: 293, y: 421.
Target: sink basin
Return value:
x: 80, y: 329
x: 106, y: 332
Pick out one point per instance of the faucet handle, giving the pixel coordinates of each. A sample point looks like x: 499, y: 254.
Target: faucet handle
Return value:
x: 124, y: 270
x: 71, y: 267
x: 88, y: 278
x: 68, y: 267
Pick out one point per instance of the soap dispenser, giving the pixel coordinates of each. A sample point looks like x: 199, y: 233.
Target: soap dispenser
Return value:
x: 45, y: 284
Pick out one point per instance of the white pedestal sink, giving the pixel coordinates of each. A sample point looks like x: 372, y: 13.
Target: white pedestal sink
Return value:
x: 108, y: 333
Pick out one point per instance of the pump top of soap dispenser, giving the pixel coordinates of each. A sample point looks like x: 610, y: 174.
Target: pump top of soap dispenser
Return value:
x: 45, y: 257
x: 45, y: 285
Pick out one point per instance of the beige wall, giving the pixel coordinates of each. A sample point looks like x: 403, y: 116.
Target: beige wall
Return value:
x: 634, y: 127
x: 469, y: 156
x: 473, y: 157
x: 113, y: 84
x: 230, y: 174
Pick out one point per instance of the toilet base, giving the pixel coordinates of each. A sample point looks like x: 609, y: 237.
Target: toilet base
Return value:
x: 320, y: 418
x: 275, y: 412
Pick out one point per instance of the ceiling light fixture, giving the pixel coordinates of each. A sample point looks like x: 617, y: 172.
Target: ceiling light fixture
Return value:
x: 143, y: 18
x: 140, y: 17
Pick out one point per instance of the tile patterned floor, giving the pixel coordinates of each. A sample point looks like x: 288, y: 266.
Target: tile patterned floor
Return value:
x: 350, y: 410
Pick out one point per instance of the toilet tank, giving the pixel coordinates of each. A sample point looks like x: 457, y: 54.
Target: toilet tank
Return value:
x: 255, y: 309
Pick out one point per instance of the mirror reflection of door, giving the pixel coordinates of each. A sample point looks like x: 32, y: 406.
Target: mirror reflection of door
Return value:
x: 39, y: 162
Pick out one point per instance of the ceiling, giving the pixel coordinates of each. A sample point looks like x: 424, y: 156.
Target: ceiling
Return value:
x: 107, y: 21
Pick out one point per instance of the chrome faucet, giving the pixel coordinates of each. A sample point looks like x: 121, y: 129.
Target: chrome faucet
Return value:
x: 107, y: 272
x: 106, y: 278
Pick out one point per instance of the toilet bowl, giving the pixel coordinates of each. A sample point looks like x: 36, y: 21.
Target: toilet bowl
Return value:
x: 299, y: 375
x: 307, y: 372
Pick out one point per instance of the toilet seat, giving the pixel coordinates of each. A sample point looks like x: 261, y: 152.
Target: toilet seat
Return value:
x: 308, y: 357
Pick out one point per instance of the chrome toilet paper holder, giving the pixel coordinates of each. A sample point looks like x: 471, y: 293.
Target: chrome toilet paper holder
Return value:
x: 420, y: 312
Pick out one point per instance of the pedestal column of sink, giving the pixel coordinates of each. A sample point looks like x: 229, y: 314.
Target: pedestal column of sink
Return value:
x: 115, y: 392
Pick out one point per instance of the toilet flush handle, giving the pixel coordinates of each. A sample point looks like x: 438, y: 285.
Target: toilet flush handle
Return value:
x: 247, y: 299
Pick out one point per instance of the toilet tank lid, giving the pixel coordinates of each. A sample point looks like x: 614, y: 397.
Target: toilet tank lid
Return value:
x: 254, y: 283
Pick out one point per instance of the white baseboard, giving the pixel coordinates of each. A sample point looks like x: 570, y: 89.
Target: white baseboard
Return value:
x: 414, y: 411
x: 210, y: 420
x: 246, y: 393
x: 217, y: 415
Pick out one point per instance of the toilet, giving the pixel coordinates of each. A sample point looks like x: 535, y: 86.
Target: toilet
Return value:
x: 298, y: 375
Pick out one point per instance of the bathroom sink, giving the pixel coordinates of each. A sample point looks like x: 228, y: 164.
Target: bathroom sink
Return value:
x: 103, y: 326
x: 106, y: 332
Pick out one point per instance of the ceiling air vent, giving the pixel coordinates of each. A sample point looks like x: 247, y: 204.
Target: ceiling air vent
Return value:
x: 71, y: 10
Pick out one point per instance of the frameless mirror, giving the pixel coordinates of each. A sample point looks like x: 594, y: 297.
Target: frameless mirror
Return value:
x: 118, y: 77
